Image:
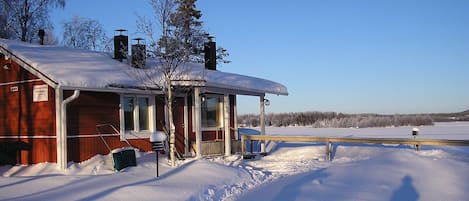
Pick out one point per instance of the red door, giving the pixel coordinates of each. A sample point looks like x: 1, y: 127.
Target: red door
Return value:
x: 178, y: 116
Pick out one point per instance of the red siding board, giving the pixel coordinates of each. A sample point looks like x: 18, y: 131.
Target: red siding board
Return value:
x: 20, y: 116
x: 91, y: 109
x: 42, y: 150
x: 81, y: 149
x: 15, y: 73
x: 83, y: 114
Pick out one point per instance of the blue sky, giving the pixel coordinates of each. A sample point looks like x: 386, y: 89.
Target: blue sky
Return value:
x: 352, y: 56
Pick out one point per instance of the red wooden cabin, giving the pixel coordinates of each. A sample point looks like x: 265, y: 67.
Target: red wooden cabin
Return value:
x: 58, y: 104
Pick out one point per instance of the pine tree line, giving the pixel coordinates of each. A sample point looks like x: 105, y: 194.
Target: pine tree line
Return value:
x: 336, y: 120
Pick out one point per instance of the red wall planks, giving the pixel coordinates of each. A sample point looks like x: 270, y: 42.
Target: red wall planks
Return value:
x: 22, y: 119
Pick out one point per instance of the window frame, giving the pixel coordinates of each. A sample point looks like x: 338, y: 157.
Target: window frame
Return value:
x: 219, y: 113
x: 136, y: 132
x: 138, y: 114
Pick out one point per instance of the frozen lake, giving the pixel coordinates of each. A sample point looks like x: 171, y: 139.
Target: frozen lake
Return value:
x: 446, y: 130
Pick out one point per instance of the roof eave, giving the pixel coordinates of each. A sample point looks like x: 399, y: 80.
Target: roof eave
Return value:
x: 28, y: 67
x: 241, y: 90
x: 116, y: 89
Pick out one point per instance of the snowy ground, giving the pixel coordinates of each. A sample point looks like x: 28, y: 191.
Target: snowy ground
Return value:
x: 291, y: 171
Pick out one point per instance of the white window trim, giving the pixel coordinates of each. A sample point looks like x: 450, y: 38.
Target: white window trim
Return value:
x: 137, y: 133
x: 220, y: 113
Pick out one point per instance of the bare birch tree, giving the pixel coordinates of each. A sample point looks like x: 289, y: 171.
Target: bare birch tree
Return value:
x: 175, y: 38
x: 168, y: 47
x: 84, y: 33
x: 25, y: 17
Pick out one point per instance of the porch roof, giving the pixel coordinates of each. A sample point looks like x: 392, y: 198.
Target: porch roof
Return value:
x: 84, y: 69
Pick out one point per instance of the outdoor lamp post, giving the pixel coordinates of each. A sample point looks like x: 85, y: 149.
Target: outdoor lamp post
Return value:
x: 157, y: 140
x: 415, y: 132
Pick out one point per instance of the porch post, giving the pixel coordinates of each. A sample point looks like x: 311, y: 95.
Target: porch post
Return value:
x: 235, y: 116
x: 186, y: 127
x: 262, y: 122
x: 226, y: 117
x: 197, y: 123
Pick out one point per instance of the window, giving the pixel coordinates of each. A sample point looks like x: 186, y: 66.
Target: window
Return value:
x: 137, y: 113
x: 143, y: 113
x: 129, y: 113
x: 211, y: 112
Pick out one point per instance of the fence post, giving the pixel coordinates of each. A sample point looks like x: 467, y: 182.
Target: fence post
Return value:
x: 418, y: 147
x: 328, y: 150
x: 243, y: 144
x: 250, y: 146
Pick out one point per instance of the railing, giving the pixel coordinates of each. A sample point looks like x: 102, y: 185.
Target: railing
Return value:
x: 114, y: 129
x: 329, y: 140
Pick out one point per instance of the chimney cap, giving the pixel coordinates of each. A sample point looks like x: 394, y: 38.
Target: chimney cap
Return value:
x: 120, y: 31
x: 139, y: 39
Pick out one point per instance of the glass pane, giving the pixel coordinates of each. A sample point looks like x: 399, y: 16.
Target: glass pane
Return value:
x: 143, y: 113
x: 128, y: 113
x: 210, y: 112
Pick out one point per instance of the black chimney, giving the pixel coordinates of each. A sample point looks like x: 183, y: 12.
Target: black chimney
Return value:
x: 210, y: 55
x: 41, y: 33
x: 138, y: 54
x: 121, y: 45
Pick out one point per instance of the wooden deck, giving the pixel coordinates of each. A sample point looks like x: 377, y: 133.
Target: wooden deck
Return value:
x: 418, y: 143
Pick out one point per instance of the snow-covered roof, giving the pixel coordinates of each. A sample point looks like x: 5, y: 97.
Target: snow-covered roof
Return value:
x: 76, y: 68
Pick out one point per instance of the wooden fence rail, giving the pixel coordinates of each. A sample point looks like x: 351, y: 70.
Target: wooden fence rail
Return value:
x: 329, y: 140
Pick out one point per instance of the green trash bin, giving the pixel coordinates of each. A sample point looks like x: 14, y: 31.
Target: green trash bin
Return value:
x: 124, y: 158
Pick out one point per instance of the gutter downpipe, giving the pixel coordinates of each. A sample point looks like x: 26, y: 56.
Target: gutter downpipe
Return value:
x: 62, y: 152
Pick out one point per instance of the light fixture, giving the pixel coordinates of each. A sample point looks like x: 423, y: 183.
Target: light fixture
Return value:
x: 266, y: 102
x: 7, y: 66
x: 203, y: 98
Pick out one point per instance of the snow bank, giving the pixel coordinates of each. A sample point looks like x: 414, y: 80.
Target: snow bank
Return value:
x: 95, y: 179
x: 291, y: 171
x: 378, y: 174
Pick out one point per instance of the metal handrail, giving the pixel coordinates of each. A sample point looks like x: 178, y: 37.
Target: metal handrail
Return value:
x: 116, y: 133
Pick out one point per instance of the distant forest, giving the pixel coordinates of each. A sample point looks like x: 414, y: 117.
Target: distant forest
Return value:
x: 341, y: 120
